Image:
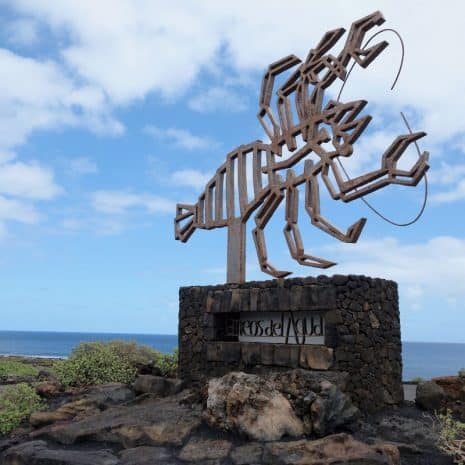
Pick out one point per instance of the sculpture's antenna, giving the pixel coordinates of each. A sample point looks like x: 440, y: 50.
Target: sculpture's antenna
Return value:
x: 399, y: 70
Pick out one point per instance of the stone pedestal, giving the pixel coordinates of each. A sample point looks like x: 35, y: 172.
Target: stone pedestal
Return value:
x: 360, y: 332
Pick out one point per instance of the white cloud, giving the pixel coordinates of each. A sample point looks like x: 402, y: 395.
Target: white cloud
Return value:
x: 6, y: 157
x: 15, y: 210
x: 433, y: 268
x: 446, y: 174
x: 140, y: 48
x: 29, y: 180
x: 82, y: 165
x: 180, y: 138
x: 125, y: 50
x: 130, y: 49
x: 119, y: 202
x: 48, y: 101
x: 217, y: 99
x: 452, y: 195
x: 22, y: 32
x: 190, y: 178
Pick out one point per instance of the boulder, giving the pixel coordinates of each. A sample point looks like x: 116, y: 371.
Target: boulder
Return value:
x: 149, y: 384
x: 297, y: 383
x: 151, y: 422
x: 38, y: 453
x: 332, y: 409
x: 338, y: 448
x: 429, y: 396
x: 250, y: 405
x: 453, y: 386
x: 197, y: 450
x: 47, y: 390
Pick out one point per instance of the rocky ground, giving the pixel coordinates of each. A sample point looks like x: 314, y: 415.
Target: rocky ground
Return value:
x: 294, y: 417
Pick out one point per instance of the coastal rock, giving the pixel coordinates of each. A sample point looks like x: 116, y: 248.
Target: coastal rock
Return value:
x: 38, y: 453
x: 250, y: 405
x: 429, y: 396
x: 152, y: 422
x: 338, y: 448
x: 331, y: 410
x: 158, y: 385
x: 197, y: 450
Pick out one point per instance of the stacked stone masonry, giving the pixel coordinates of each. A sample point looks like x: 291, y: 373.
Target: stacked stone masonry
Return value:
x: 362, y: 332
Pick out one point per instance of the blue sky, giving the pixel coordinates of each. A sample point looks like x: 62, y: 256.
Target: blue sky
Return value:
x: 112, y: 113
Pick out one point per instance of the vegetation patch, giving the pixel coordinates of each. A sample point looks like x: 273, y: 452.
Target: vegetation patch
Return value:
x: 168, y: 364
x: 15, y: 368
x: 94, y: 363
x: 452, y: 437
x: 17, y: 402
x: 111, y: 362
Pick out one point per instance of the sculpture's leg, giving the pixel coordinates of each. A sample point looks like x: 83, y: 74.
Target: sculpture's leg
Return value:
x: 236, y: 251
x: 266, y: 211
x: 292, y: 232
x: 312, y: 205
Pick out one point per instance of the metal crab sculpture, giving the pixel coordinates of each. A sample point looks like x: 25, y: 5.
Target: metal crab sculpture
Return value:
x: 231, y: 198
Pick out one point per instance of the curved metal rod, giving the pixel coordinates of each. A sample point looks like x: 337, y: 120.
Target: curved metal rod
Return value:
x: 425, y: 197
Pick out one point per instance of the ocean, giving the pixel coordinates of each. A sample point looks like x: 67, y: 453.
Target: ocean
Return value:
x: 420, y: 359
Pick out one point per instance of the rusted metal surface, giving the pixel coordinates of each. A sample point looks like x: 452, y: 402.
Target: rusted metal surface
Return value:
x: 254, y: 181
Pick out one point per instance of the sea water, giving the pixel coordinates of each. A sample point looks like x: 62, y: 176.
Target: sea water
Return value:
x: 420, y: 359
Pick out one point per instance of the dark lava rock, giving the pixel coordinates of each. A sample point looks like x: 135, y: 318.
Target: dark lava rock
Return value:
x: 331, y: 410
x: 38, y: 453
x: 248, y: 454
x: 197, y: 450
x: 335, y: 449
x: 430, y: 396
x: 152, y: 422
x: 149, y: 384
x: 146, y: 456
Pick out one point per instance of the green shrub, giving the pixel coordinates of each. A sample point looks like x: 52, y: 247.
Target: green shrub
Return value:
x: 418, y: 379
x: 111, y: 362
x: 95, y: 363
x: 462, y: 372
x: 168, y: 364
x: 451, y: 437
x: 17, y: 402
x: 136, y: 354
x: 10, y: 367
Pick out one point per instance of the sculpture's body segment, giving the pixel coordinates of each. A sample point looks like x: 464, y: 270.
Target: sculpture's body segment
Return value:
x: 252, y: 181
